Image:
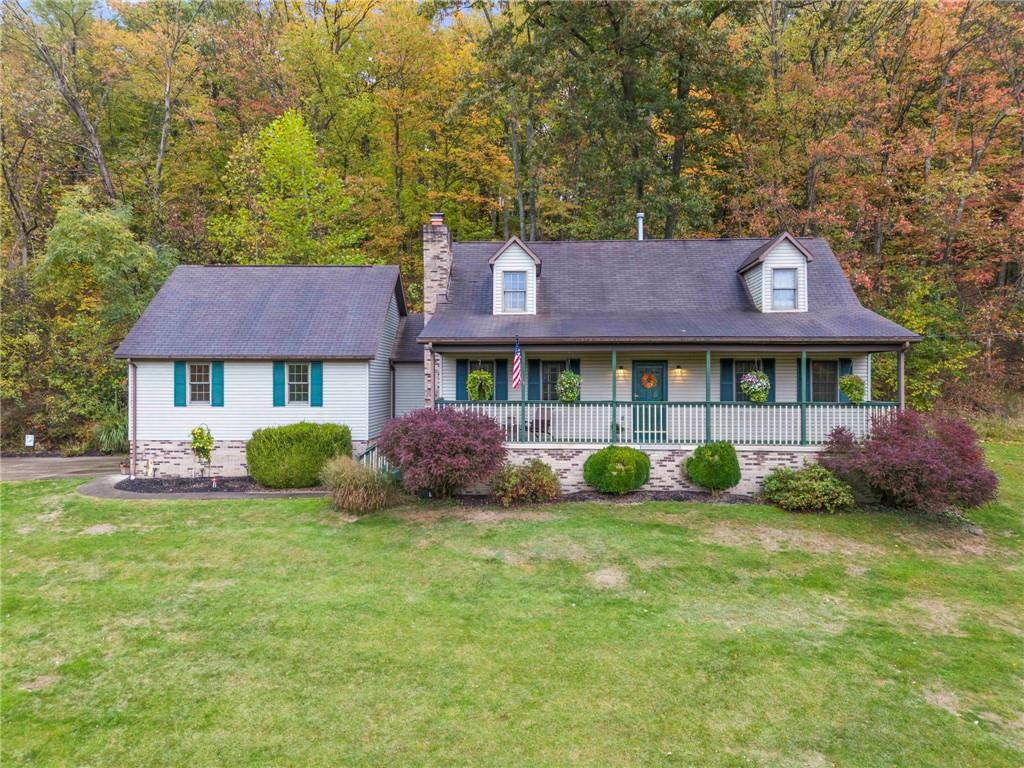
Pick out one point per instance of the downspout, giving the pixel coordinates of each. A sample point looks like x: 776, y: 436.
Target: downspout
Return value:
x: 133, y: 375
x: 392, y: 389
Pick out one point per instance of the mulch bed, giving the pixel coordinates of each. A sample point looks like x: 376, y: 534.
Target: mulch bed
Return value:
x: 198, y: 485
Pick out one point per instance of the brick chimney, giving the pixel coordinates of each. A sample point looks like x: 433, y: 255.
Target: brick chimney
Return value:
x: 437, y: 264
x: 437, y: 269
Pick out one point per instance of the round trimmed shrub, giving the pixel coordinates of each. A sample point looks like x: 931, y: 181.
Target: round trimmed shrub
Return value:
x: 292, y: 456
x: 714, y: 466
x: 356, y: 489
x: 809, y: 489
x: 616, y: 469
x: 532, y: 483
x: 442, y: 451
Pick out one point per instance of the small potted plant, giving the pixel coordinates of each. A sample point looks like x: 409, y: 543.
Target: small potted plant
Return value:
x: 755, y: 386
x: 852, y: 386
x: 480, y: 385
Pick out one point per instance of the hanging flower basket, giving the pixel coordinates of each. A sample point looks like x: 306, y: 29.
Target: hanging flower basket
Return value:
x: 756, y: 386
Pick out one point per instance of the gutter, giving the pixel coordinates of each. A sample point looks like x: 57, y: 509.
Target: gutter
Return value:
x: 133, y: 390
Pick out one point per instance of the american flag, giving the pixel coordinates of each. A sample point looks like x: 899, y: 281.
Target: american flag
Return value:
x: 517, y: 366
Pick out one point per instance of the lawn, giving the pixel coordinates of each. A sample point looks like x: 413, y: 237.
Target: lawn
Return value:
x: 273, y: 633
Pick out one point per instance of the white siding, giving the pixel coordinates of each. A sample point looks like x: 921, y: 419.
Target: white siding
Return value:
x: 408, y: 387
x: 248, y: 401
x: 515, y: 259
x: 784, y: 256
x: 684, y: 385
x: 380, y: 372
x: 753, y: 280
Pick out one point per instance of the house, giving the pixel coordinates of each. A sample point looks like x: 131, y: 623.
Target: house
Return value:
x: 660, y: 331
x: 237, y: 348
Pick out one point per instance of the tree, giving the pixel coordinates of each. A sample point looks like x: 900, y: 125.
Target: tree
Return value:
x: 283, y: 205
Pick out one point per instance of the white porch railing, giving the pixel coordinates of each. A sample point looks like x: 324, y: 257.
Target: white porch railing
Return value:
x: 741, y: 423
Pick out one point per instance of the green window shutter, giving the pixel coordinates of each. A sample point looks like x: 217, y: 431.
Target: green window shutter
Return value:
x: 461, y: 374
x: 316, y: 384
x: 845, y: 369
x: 180, y: 392
x: 768, y: 366
x: 217, y: 384
x: 501, y: 379
x: 533, y: 380
x: 278, y: 383
x: 725, y: 380
x: 799, y: 381
x: 574, y: 365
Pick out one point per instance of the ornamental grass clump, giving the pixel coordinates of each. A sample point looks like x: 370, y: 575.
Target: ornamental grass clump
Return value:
x: 532, y: 483
x: 617, y: 469
x: 441, y: 452
x: 809, y: 489
x: 913, y: 461
x: 756, y: 386
x: 852, y: 386
x: 356, y: 489
x: 292, y: 456
x: 714, y: 466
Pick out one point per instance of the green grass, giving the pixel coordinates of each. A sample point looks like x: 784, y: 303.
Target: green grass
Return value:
x: 272, y: 633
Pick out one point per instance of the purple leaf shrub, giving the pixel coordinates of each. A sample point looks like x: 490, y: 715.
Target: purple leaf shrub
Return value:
x: 914, y: 461
x: 442, y: 451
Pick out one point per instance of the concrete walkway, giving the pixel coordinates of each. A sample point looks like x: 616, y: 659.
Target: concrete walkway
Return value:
x: 103, y: 488
x: 56, y: 467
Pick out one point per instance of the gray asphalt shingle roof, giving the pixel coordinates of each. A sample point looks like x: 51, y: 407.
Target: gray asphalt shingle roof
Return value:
x: 279, y: 312
x: 652, y: 290
x: 407, y: 350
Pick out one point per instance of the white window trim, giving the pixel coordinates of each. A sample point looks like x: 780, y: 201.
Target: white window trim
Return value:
x: 188, y: 382
x: 526, y: 292
x: 288, y: 386
x: 543, y: 363
x: 796, y: 289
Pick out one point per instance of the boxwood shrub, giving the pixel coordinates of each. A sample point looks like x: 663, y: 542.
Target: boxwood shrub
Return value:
x: 714, y: 466
x: 809, y: 489
x: 292, y: 456
x: 617, y: 469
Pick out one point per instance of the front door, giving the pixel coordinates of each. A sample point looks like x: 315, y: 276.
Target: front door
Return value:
x: 649, y: 395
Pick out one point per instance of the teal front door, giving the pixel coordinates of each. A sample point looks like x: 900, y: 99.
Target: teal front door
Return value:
x: 649, y: 395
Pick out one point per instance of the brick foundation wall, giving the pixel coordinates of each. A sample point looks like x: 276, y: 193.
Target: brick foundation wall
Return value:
x: 666, y: 464
x: 173, y: 458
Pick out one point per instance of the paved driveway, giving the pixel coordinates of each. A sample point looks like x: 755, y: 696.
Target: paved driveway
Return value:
x: 53, y: 467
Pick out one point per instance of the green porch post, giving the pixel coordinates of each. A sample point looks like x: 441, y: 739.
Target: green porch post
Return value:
x: 614, y: 433
x: 707, y: 395
x: 524, y: 378
x: 803, y: 397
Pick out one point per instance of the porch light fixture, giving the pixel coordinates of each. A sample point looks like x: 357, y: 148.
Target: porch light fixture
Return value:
x: 679, y: 371
x: 622, y: 372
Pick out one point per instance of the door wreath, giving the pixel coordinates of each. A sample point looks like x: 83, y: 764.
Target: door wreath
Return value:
x: 648, y: 381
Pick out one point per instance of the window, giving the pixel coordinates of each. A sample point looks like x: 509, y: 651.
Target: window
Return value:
x: 199, y: 382
x: 740, y: 369
x: 298, y: 382
x: 514, y: 286
x: 550, y: 370
x: 824, y: 381
x: 783, y: 289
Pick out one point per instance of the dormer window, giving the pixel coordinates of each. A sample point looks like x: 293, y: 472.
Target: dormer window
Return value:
x: 784, y: 288
x: 514, y: 291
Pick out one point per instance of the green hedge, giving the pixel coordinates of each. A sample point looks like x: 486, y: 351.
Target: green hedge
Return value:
x: 292, y: 456
x: 714, y: 466
x: 811, y: 489
x: 617, y: 469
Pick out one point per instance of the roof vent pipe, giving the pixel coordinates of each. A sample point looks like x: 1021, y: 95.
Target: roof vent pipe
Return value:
x: 639, y: 225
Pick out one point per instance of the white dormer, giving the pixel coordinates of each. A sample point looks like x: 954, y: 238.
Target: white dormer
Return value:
x: 515, y: 271
x: 775, y: 275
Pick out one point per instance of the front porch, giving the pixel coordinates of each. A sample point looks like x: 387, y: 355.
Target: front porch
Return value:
x: 670, y: 397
